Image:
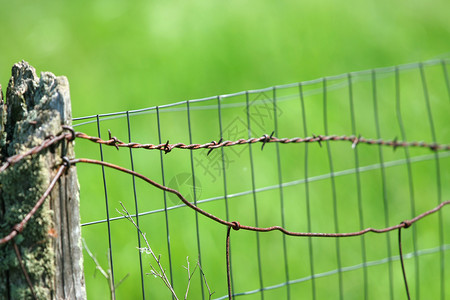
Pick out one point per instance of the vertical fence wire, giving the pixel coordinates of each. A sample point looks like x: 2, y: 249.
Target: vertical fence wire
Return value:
x: 165, y: 199
x: 255, y: 205
x: 225, y: 190
x: 280, y: 187
x: 195, y: 197
x: 358, y: 185
x: 136, y: 208
x: 333, y: 190
x: 438, y: 175
x: 113, y: 291
x: 447, y: 84
x: 400, y: 251
x: 446, y: 79
x: 307, y: 198
x: 410, y: 178
x: 383, y: 183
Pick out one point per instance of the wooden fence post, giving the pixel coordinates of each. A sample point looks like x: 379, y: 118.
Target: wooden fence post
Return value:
x: 50, y: 244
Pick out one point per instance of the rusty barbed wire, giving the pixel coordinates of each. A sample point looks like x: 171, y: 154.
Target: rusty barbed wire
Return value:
x: 47, y: 143
x: 355, y: 140
x: 166, y: 147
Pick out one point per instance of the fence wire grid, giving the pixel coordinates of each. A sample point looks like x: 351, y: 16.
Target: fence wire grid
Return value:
x: 316, y: 186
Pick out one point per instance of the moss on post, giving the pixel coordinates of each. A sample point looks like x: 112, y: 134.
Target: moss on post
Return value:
x: 50, y: 244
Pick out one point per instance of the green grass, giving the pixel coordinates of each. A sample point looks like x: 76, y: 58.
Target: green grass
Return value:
x: 122, y: 55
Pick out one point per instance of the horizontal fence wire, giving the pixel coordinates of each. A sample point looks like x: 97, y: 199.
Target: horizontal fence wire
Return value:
x: 346, y: 269
x: 285, y: 184
x: 244, y: 187
x: 172, y: 107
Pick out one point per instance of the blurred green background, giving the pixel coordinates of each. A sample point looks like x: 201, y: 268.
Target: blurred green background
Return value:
x: 123, y: 55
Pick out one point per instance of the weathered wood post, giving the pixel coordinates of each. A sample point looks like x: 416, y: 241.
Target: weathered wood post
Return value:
x: 50, y: 245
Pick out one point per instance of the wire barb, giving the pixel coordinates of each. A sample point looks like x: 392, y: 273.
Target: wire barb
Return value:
x: 214, y: 145
x: 265, y: 139
x: 434, y: 147
x: 113, y: 140
x: 167, y: 148
x: 318, y: 138
x: 394, y: 144
x: 355, y: 142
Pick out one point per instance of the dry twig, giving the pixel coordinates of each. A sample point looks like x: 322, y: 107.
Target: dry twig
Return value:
x: 161, y: 273
x: 107, y: 274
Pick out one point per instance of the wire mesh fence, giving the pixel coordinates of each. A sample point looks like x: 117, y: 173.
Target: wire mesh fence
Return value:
x: 320, y: 185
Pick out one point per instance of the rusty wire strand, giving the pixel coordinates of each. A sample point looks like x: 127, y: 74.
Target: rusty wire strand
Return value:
x: 35, y: 150
x: 166, y: 147
x: 24, y: 271
x: 18, y: 228
x: 236, y: 225
x: 355, y: 140
x: 228, y: 261
x: 405, y: 280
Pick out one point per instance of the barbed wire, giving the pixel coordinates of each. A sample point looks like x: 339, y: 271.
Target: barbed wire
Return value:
x: 355, y: 140
x: 35, y: 150
x: 167, y: 147
x: 69, y: 134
